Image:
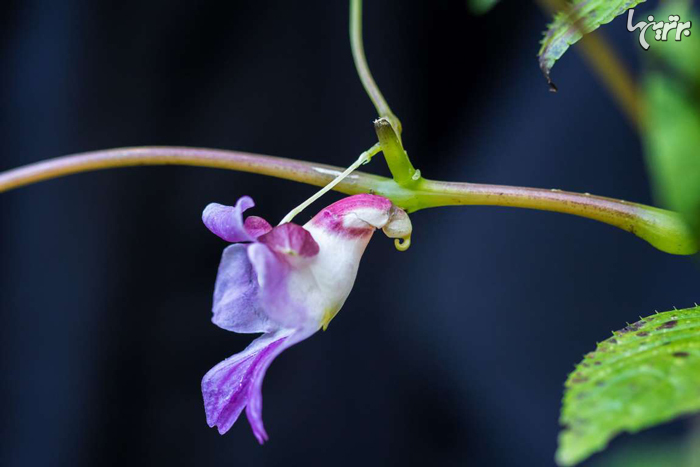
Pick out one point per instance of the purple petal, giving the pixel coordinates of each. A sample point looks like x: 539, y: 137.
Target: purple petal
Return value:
x: 237, y: 381
x: 254, y: 408
x: 256, y: 226
x: 273, y: 277
x: 236, y: 303
x: 227, y: 221
x: 290, y: 239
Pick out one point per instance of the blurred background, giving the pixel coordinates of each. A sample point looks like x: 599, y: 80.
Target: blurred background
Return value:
x: 453, y: 353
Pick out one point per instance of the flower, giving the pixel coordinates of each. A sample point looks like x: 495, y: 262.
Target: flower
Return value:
x: 286, y: 282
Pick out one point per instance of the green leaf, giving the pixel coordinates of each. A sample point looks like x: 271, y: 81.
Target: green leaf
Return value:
x: 480, y: 7
x: 671, y: 135
x: 649, y: 453
x: 646, y: 374
x: 581, y: 17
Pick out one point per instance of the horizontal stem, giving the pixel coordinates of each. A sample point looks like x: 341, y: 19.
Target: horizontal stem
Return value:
x: 289, y: 169
x: 663, y: 229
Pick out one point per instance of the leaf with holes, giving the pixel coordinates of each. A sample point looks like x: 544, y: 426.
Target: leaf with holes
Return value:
x: 569, y: 26
x: 646, y: 374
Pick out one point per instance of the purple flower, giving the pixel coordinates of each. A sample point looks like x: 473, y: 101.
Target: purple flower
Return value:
x: 286, y: 282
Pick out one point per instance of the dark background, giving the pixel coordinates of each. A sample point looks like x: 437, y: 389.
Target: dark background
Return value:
x: 453, y: 353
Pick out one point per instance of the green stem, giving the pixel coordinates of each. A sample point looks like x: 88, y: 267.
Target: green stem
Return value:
x: 298, y: 171
x: 358, y: 55
x: 663, y: 229
x: 396, y: 158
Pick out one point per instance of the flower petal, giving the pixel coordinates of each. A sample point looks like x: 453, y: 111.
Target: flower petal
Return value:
x: 236, y: 294
x: 254, y: 408
x: 256, y: 226
x: 237, y: 382
x: 354, y: 216
x: 227, y: 221
x: 290, y: 239
x: 273, y: 273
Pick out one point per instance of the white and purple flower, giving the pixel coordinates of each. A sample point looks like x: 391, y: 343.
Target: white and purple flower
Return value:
x: 286, y: 282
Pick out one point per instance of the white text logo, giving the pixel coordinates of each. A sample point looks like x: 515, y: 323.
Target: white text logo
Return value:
x: 662, y: 28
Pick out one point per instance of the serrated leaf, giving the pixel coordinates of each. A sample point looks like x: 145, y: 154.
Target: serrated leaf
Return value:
x: 480, y: 7
x: 671, y: 133
x: 581, y: 17
x: 646, y: 374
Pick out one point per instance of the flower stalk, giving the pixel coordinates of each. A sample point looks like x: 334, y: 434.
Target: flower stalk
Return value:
x: 396, y: 158
x: 358, y: 55
x: 364, y: 158
x: 663, y: 229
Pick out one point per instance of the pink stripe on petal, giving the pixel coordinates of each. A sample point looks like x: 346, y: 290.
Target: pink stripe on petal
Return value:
x: 354, y: 216
x: 361, y: 201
